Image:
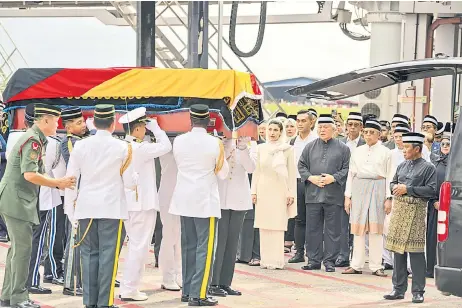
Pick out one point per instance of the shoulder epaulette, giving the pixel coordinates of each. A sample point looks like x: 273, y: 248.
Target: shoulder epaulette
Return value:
x: 56, y: 138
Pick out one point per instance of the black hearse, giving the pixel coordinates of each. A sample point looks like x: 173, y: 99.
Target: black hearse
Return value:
x: 369, y: 81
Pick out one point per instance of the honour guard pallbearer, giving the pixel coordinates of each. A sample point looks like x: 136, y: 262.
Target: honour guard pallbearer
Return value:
x: 201, y: 161
x: 49, y: 201
x: 170, y: 247
x: 235, y: 200
x: 413, y: 185
x: 76, y: 129
x: 19, y: 204
x: 104, y: 168
x: 142, y: 202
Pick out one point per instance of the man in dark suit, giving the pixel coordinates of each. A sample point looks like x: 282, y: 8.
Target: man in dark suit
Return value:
x: 354, y: 126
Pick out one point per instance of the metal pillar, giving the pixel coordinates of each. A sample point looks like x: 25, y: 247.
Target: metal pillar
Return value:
x: 145, y: 33
x: 198, y: 34
x: 447, y: 42
x: 413, y: 47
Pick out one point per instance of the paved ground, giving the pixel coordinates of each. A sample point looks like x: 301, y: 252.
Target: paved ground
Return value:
x: 292, y: 288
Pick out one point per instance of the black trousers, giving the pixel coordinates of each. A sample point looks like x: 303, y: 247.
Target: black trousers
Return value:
x: 319, y: 217
x: 57, y: 242
x: 400, y: 275
x: 300, y: 219
x: 431, y: 243
x: 289, y: 234
x: 38, y: 242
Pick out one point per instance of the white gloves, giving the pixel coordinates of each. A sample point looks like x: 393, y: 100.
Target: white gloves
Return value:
x: 153, y: 126
x: 242, y: 143
x: 89, y: 123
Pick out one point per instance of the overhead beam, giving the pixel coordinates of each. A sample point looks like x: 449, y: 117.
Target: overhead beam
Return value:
x: 111, y: 17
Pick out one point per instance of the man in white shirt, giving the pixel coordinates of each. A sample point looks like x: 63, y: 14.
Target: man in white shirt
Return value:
x: 305, y: 120
x: 104, y: 166
x: 353, y: 140
x: 235, y: 200
x: 368, y: 199
x: 201, y: 162
x: 142, y: 202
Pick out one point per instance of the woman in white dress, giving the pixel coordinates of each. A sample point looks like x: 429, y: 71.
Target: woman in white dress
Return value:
x: 273, y: 192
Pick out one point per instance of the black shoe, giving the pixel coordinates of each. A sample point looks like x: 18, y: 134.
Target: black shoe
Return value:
x: 387, y: 266
x: 202, y: 302
x: 342, y: 263
x: 184, y: 298
x: 4, y: 238
x: 117, y: 284
x: 5, y: 303
x: 417, y: 298
x: 311, y: 266
x: 58, y: 281
x: 217, y: 291
x: 329, y: 268
x: 39, y: 290
x: 25, y: 304
x: 70, y: 292
x: 298, y: 257
x: 48, y: 279
x: 230, y: 291
x: 394, y: 295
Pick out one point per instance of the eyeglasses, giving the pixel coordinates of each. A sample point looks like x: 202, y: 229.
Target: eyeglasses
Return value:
x: 445, y: 144
x: 427, y: 126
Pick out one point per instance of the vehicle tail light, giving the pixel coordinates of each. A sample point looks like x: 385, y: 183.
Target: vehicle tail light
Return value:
x: 443, y: 212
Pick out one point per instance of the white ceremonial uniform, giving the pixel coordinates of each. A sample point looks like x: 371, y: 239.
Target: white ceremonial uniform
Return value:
x: 196, y: 191
x: 13, y: 137
x: 49, y: 197
x: 368, y: 163
x: 196, y: 199
x: 170, y: 247
x: 235, y: 200
x: 142, y: 206
x: 235, y: 189
x: 101, y: 192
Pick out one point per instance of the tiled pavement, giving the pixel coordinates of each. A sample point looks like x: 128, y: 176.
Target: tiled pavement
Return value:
x: 292, y: 288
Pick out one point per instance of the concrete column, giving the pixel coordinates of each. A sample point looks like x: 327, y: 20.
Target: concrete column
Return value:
x: 447, y: 42
x: 385, y: 47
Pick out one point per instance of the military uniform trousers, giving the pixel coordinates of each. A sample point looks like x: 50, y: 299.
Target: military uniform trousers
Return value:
x: 100, y: 248
x: 170, y: 248
x: 56, y: 243
x: 17, y: 260
x: 139, y: 226
x: 248, y: 247
x: 229, y: 227
x: 72, y: 260
x: 38, y: 243
x: 198, y: 241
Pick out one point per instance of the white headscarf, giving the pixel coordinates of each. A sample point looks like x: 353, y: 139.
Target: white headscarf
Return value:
x: 277, y: 149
